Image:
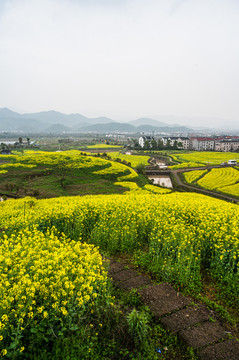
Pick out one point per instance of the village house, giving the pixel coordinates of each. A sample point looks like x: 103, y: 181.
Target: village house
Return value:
x: 227, y: 145
x: 144, y: 138
x: 202, y: 143
x: 179, y: 140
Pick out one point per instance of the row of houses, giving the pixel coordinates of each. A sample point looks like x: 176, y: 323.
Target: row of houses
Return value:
x: 196, y: 143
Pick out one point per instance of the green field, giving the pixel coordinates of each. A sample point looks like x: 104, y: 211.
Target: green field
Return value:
x: 46, y: 175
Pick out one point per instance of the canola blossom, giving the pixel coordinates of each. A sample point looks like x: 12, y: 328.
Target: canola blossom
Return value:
x: 183, y: 233
x: 217, y: 178
x: 157, y: 189
x: 51, y: 271
x: 183, y: 165
x: 134, y: 160
x: 220, y: 179
x: 192, y: 176
x: 129, y: 185
x: 16, y: 165
x: 205, y: 157
x: 45, y: 279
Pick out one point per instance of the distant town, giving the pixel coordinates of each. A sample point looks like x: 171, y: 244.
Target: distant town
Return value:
x: 217, y: 143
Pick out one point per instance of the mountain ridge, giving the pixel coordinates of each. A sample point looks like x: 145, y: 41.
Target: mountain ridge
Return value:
x: 49, y: 120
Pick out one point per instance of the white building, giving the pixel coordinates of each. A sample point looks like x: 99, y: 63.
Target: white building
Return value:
x: 227, y: 145
x: 181, y: 139
x: 143, y: 138
x: 202, y: 143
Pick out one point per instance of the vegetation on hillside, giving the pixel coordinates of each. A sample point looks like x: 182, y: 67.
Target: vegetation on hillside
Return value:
x: 42, y: 174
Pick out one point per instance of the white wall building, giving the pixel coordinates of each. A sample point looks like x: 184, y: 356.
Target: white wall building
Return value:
x: 142, y: 140
x: 203, y: 144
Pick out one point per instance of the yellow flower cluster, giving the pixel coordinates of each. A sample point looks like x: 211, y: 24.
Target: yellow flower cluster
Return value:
x: 45, y: 276
x: 116, y: 168
x: 129, y: 185
x: 231, y: 190
x: 16, y: 165
x: 157, y: 190
x: 217, y: 178
x: 133, y: 159
x: 193, y: 176
x: 127, y: 222
x: 221, y: 179
x: 183, y: 165
x: 205, y: 157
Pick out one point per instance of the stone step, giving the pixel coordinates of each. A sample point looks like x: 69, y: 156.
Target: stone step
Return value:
x: 136, y: 282
x: 184, y: 318
x: 226, y: 350
x: 177, y: 314
x: 163, y: 299
x: 203, y: 334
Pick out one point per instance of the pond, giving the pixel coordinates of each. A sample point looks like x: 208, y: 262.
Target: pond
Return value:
x: 162, y: 180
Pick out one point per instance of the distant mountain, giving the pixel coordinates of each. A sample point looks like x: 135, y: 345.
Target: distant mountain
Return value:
x: 100, y: 120
x: 49, y: 117
x: 7, y: 113
x: 20, y: 124
x: 147, y: 121
x: 56, y: 122
x: 125, y: 127
x: 110, y: 127
x: 71, y: 120
x: 57, y: 129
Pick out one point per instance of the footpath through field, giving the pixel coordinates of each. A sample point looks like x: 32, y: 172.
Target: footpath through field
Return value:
x: 196, y: 326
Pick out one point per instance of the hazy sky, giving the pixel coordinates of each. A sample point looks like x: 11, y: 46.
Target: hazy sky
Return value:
x: 121, y: 58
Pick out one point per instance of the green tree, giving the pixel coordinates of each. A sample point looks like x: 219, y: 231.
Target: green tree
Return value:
x: 154, y: 144
x: 147, y: 145
x: 168, y: 145
x: 160, y: 144
x: 61, y: 168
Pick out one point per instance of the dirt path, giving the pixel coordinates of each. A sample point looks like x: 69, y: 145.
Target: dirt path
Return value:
x: 195, y: 325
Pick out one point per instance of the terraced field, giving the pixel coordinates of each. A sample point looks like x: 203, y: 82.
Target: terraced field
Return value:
x: 225, y: 180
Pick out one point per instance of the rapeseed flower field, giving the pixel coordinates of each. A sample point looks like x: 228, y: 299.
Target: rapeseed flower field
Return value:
x: 205, y: 157
x: 220, y: 179
x: 53, y: 282
x: 134, y: 160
